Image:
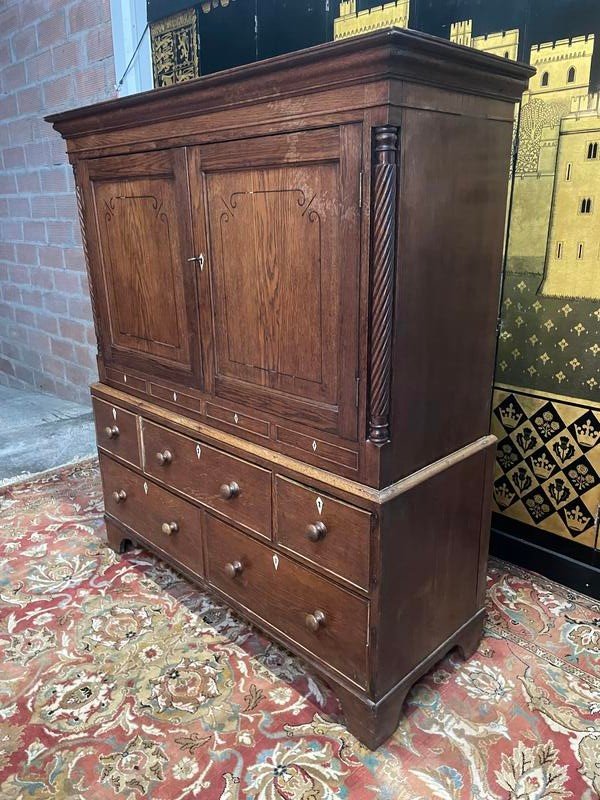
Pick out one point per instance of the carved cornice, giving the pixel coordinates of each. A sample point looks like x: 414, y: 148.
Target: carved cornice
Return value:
x: 81, y: 214
x: 383, y: 257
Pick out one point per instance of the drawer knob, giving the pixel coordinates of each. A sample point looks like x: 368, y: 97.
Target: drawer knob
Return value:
x: 233, y: 569
x: 169, y: 528
x: 316, y: 531
x: 229, y: 490
x: 164, y: 458
x: 112, y: 431
x: 315, y: 620
x: 119, y: 496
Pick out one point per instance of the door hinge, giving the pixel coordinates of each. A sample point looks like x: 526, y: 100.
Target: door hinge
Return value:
x: 360, y: 188
x: 199, y: 260
x: 357, y: 392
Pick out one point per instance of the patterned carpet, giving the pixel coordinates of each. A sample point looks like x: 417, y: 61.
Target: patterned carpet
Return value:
x: 119, y: 679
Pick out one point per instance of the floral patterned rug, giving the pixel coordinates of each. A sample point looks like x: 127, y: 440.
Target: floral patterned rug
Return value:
x: 119, y: 679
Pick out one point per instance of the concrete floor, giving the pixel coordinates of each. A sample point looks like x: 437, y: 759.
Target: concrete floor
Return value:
x: 39, y: 432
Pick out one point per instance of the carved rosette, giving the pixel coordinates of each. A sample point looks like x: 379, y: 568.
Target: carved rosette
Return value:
x: 383, y: 256
x: 81, y: 214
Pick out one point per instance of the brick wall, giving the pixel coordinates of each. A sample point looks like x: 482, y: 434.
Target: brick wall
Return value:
x: 54, y: 55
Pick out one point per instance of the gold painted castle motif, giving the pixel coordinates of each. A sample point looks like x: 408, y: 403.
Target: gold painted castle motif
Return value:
x: 174, y: 44
x: 352, y: 23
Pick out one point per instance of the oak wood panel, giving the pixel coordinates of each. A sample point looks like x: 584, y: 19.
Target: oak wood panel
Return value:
x: 282, y: 214
x: 138, y: 219
x: 146, y: 508
x: 117, y: 431
x: 344, y: 532
x: 284, y: 593
x: 199, y: 471
x: 236, y: 421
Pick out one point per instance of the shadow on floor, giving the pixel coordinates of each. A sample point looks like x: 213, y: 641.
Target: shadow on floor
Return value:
x: 39, y: 432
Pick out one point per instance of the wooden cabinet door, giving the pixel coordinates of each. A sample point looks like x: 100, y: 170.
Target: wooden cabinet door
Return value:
x: 137, y: 220
x: 279, y: 218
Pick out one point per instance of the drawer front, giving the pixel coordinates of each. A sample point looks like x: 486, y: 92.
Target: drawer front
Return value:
x: 209, y: 475
x: 290, y: 598
x: 116, y: 431
x: 329, y: 533
x: 145, y: 508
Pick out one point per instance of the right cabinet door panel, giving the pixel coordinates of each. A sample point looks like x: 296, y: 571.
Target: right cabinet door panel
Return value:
x: 280, y: 219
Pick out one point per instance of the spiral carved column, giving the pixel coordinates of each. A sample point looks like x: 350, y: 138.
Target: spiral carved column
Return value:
x: 383, y: 256
x: 81, y: 213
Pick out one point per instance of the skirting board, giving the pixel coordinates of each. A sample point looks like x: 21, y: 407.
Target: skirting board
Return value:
x: 519, y: 548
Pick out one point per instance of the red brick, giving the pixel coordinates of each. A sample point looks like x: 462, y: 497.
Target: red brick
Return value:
x: 60, y: 232
x: 58, y: 152
x: 39, y: 67
x: 24, y: 317
x: 40, y: 341
x: 91, y: 82
x: 55, y: 366
x: 80, y: 308
x: 34, y: 232
x: 31, y: 297
x: 68, y: 56
x: 10, y: 293
x: 7, y: 251
x: 77, y: 375
x: 29, y: 100
x: 9, y: 20
x: 84, y: 15
x: 14, y: 157
x: 74, y: 259
x: 43, y: 207
x: 37, y: 154
x: 67, y: 282
x: 54, y: 179
x: 52, y: 31
x: 29, y: 182
x: 8, y: 106
x: 19, y: 207
x: 24, y: 43
x: 41, y: 277
x: 26, y: 253
x: 99, y: 44
x: 63, y: 349
x: 58, y: 92
x: 11, y: 230
x: 13, y: 77
x: 8, y: 184
x: 21, y: 130
x: 46, y: 322
x: 72, y: 330
x: 66, y: 207
x: 51, y: 256
x: 19, y: 274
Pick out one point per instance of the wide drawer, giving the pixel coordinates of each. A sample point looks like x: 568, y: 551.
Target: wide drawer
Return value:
x: 116, y: 431
x: 328, y: 621
x: 332, y: 534
x: 167, y: 521
x: 235, y: 488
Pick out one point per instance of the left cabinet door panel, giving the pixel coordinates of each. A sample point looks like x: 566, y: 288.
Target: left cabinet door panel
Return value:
x: 138, y: 228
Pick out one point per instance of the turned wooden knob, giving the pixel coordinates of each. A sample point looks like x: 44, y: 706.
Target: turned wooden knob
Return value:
x: 111, y: 431
x: 119, y: 496
x: 164, y: 458
x: 233, y: 569
x: 316, y: 531
x: 315, y: 620
x: 229, y: 490
x: 168, y: 528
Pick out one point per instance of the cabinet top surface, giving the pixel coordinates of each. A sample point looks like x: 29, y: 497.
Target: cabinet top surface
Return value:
x: 391, y: 54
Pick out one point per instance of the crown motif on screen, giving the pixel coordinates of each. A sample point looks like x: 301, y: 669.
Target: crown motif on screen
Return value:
x: 510, y: 416
x: 542, y: 466
x: 503, y: 494
x: 586, y: 434
x: 576, y: 519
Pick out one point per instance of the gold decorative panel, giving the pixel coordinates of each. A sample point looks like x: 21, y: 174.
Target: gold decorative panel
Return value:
x: 175, y: 49
x: 547, y: 470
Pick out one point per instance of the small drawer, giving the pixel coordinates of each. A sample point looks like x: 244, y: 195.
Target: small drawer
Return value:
x: 324, y: 451
x: 175, y: 397
x: 116, y: 431
x: 235, y: 422
x: 125, y: 380
x: 326, y: 620
x: 237, y: 489
x: 162, y: 519
x: 331, y: 534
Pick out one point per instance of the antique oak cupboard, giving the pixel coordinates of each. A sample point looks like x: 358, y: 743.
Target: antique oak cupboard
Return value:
x: 294, y: 269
